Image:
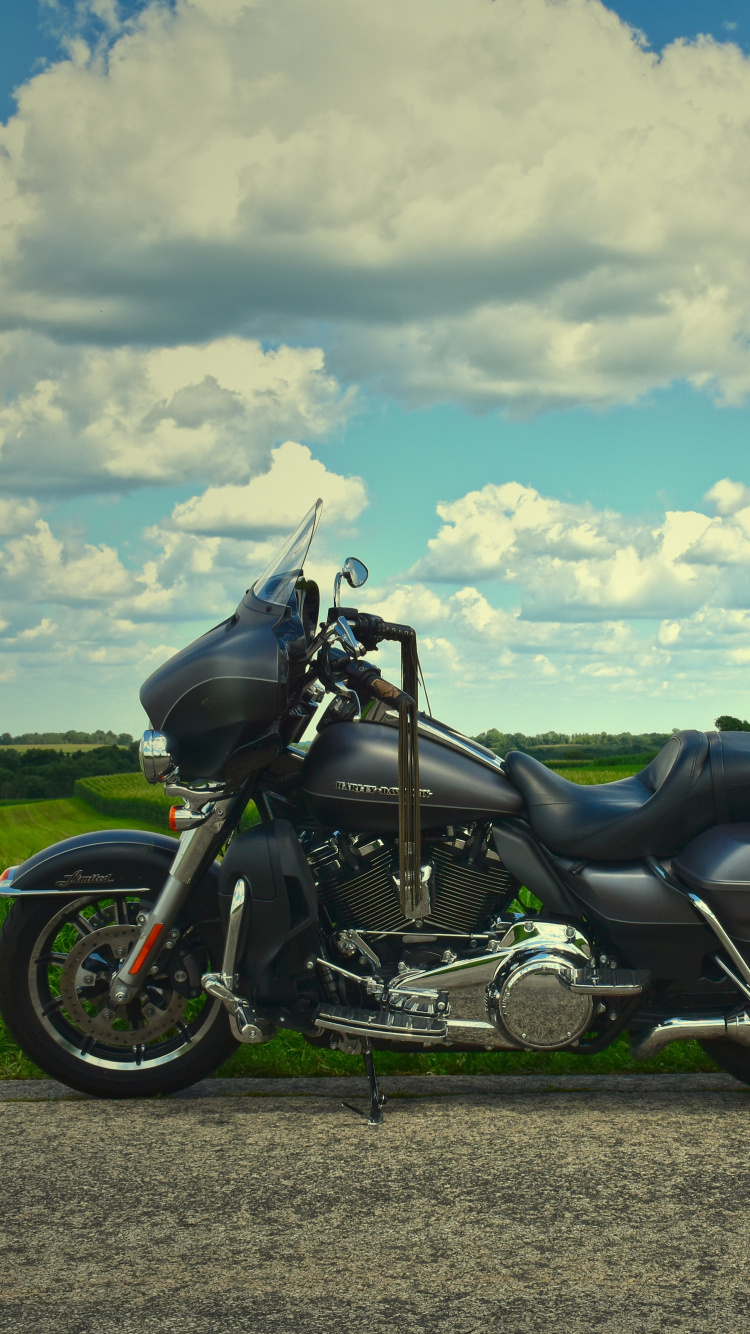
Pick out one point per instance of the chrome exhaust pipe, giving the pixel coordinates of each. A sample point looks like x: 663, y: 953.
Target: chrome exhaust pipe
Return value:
x: 703, y: 1028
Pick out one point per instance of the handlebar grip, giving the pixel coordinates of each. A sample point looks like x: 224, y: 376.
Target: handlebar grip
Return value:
x: 399, y: 633
x: 385, y: 690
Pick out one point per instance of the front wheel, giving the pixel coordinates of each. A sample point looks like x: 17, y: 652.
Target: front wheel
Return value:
x: 55, y: 969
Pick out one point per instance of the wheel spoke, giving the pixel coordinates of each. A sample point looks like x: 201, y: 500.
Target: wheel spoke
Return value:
x: 53, y: 956
x: 82, y: 924
x: 53, y: 1006
x: 120, y: 912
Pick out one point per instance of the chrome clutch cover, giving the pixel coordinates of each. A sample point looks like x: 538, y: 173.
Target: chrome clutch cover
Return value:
x: 531, y: 1001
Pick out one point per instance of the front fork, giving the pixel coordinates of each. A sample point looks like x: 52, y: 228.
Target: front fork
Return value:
x: 197, y: 848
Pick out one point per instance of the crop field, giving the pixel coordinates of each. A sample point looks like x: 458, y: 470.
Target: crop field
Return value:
x: 25, y: 828
x: 28, y: 827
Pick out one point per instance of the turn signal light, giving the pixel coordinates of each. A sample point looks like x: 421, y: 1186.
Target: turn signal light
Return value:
x: 182, y: 818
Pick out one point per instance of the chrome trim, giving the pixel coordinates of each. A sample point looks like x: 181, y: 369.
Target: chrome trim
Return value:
x: 720, y: 933
x: 108, y: 891
x: 350, y: 941
x: 228, y: 967
x: 457, y: 741
x: 479, y: 1032
x: 701, y: 1028
x: 741, y: 986
x: 190, y: 853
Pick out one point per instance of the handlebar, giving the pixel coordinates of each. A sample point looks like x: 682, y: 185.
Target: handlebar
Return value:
x: 384, y: 690
x: 371, y: 629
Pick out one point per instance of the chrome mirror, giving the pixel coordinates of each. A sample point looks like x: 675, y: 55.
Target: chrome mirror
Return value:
x: 356, y: 574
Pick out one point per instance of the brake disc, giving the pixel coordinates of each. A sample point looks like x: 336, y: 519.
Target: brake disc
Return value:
x: 84, y: 987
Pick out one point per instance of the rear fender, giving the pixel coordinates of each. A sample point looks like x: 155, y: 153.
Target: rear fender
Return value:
x: 130, y: 860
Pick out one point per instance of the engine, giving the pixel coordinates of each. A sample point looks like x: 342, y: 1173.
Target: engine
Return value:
x: 469, y: 885
x: 504, y: 983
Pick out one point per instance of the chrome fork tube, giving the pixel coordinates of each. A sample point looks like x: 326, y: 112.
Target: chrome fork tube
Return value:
x: 155, y: 935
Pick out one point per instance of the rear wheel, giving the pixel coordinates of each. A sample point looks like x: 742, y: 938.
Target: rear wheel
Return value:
x: 56, y: 964
x: 731, y: 1057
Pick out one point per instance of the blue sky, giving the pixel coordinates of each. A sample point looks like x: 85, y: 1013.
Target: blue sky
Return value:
x: 443, y: 271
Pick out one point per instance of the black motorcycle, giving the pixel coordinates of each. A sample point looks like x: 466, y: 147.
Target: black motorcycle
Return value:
x: 376, y: 903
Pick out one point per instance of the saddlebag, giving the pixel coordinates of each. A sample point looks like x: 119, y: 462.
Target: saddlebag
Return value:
x: 716, y: 865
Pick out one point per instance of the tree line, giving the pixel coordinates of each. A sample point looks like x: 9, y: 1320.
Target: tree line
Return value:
x: 28, y: 774
x: 591, y: 745
x: 70, y: 738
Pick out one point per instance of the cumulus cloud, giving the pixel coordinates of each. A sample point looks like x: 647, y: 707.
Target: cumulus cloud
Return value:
x: 275, y: 501
x: 638, y: 610
x: 629, y: 609
x: 572, y: 562
x: 97, y: 419
x: 504, y: 204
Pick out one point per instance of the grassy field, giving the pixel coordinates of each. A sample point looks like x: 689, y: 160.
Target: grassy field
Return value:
x: 26, y: 828
x: 594, y: 773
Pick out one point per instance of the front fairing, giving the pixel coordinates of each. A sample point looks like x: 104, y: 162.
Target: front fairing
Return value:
x: 230, y: 686
x: 224, y: 690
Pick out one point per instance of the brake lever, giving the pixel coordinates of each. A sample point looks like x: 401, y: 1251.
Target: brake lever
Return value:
x: 343, y: 631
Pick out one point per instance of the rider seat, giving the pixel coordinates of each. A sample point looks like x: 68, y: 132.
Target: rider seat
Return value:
x: 697, y: 780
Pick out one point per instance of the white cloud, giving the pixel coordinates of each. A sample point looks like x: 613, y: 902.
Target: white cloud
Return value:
x: 505, y: 204
x: 275, y: 501
x: 570, y: 561
x: 88, y: 419
x: 36, y: 567
x: 727, y: 497
x: 603, y: 611
x: 16, y: 515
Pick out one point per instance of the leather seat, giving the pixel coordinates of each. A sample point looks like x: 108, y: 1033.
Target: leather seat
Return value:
x: 696, y: 780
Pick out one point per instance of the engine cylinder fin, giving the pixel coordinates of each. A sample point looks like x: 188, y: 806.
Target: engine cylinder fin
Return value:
x: 464, y: 894
x: 369, y: 900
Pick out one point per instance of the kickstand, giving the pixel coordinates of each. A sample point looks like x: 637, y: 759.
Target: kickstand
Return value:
x: 377, y: 1099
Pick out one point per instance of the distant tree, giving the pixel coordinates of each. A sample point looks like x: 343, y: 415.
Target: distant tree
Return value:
x: 726, y: 723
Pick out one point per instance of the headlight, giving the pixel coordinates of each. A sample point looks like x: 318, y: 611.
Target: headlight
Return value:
x: 154, y: 757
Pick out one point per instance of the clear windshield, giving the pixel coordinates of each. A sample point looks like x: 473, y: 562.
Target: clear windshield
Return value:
x: 277, y: 581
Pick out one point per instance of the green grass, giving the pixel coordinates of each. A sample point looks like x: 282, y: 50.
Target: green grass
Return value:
x: 289, y: 1054
x: 130, y: 797
x: 126, y: 795
x: 26, y: 828
x: 596, y: 773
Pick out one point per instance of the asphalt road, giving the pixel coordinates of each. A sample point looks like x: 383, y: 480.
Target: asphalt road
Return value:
x: 598, y: 1205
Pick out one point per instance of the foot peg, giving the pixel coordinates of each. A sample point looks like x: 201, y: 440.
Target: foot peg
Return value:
x: 395, y: 1026
x: 246, y: 1025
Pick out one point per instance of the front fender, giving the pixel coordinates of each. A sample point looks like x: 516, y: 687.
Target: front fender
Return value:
x: 116, y: 859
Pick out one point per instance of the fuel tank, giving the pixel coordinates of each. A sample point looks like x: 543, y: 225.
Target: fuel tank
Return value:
x: 350, y: 779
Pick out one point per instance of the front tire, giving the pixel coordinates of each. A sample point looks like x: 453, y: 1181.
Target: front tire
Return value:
x: 55, y: 966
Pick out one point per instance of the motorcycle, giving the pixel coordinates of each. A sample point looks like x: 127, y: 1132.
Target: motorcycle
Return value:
x: 403, y: 887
